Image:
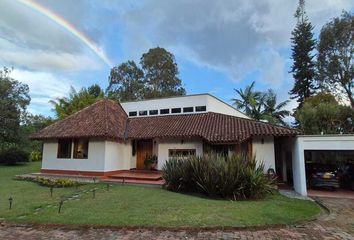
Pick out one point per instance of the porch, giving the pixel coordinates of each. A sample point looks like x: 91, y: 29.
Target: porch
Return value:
x: 144, y: 177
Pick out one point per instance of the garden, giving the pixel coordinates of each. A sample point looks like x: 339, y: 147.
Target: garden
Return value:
x: 100, y: 204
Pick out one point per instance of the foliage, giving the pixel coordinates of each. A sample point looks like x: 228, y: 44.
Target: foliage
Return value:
x: 76, y: 101
x: 50, y: 182
x: 161, y: 72
x: 335, y: 59
x: 273, y: 112
x: 157, y: 77
x: 261, y: 106
x: 13, y: 155
x: 32, y: 124
x: 35, y: 156
x: 126, y: 82
x: 303, y: 45
x: 322, y: 114
x: 150, y: 161
x: 249, y: 99
x: 14, y: 99
x: 236, y: 177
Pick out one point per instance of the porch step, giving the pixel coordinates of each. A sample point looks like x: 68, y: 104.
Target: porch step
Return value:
x: 159, y: 182
x: 137, y: 175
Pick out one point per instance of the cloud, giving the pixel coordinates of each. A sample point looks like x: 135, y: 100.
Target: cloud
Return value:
x: 229, y: 36
x: 43, y: 87
x: 33, y: 41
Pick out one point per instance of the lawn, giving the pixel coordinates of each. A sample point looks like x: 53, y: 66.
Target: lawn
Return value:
x: 125, y: 205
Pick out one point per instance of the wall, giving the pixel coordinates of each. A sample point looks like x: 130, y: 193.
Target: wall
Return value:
x: 212, y: 104
x: 264, y: 152
x: 103, y: 156
x: 94, y: 162
x: 164, y: 145
x: 117, y: 156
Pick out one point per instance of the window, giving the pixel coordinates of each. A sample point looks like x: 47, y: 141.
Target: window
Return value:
x: 181, y: 152
x: 200, y: 108
x: 153, y: 112
x: 80, y: 148
x: 187, y: 109
x: 176, y: 110
x: 143, y: 113
x: 164, y: 111
x: 64, y: 148
x: 132, y: 114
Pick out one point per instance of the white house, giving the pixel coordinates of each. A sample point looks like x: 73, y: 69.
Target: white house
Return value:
x: 108, y: 137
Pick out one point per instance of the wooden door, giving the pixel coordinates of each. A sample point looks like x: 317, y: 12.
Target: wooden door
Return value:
x: 144, y: 148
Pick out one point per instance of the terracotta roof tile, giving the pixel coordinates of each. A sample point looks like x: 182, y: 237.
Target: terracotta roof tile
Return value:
x: 213, y: 127
x: 105, y: 119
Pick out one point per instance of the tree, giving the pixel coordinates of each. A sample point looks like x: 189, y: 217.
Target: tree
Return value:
x: 260, y: 105
x: 126, y: 82
x: 160, y: 70
x: 335, y: 59
x: 14, y: 99
x: 273, y: 112
x: 303, y: 68
x: 248, y: 101
x: 323, y: 114
x: 76, y: 101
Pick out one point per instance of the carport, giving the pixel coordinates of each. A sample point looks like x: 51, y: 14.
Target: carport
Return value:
x: 316, y: 146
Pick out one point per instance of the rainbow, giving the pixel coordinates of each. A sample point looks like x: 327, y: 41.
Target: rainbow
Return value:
x: 69, y: 27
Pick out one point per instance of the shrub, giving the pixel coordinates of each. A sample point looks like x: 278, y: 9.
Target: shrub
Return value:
x: 13, y: 155
x: 232, y: 177
x: 35, y: 156
x: 50, y: 182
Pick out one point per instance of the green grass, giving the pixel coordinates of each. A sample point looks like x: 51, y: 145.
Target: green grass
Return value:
x: 140, y: 206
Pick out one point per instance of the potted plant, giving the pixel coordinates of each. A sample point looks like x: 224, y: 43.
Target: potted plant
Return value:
x: 150, y: 162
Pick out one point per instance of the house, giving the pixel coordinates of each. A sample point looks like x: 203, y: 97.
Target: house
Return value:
x: 108, y: 137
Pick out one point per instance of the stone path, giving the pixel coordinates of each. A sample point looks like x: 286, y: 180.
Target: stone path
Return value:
x: 339, y: 224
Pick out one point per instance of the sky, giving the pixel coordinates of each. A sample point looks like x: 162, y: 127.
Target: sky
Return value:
x: 218, y: 45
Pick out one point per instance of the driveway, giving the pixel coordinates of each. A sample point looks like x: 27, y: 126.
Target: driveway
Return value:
x: 339, y: 224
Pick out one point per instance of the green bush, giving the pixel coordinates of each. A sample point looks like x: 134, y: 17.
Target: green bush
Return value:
x: 35, y: 156
x: 50, y: 182
x: 13, y: 155
x: 233, y: 177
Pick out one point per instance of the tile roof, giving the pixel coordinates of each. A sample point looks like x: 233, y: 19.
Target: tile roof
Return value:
x: 213, y: 127
x: 103, y: 119
x: 107, y: 119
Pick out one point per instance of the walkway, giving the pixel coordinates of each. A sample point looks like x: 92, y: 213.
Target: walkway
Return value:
x: 339, y: 224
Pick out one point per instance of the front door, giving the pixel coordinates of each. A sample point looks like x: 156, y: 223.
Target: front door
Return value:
x: 144, y: 148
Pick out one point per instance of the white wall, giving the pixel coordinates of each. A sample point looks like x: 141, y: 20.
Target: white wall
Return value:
x: 103, y: 156
x: 264, y: 152
x: 94, y: 162
x: 164, y: 145
x: 212, y: 104
x: 117, y: 156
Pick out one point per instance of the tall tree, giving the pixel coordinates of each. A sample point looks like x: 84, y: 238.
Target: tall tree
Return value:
x: 273, y: 112
x: 76, y: 101
x: 14, y: 99
x: 126, y: 82
x: 161, y: 74
x: 335, y: 59
x: 248, y: 101
x: 303, y: 68
x: 322, y: 114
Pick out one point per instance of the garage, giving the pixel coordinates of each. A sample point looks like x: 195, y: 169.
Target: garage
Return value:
x: 322, y: 163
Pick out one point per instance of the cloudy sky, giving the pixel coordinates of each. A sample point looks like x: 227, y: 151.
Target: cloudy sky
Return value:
x: 218, y: 45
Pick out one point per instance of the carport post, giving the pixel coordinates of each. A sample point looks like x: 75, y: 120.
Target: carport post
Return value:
x: 299, y: 172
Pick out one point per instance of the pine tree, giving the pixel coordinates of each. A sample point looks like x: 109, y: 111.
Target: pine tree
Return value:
x: 303, y: 68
